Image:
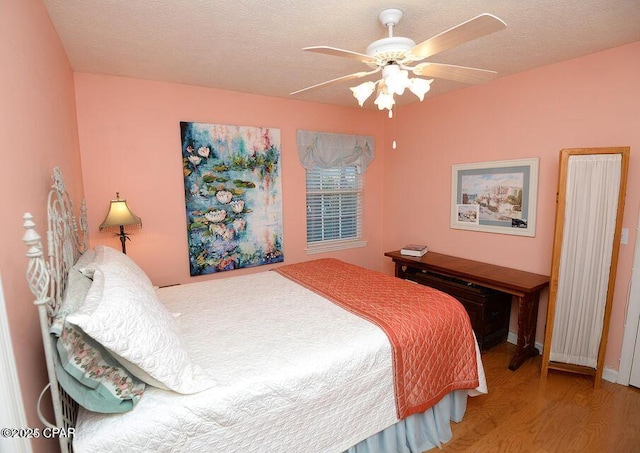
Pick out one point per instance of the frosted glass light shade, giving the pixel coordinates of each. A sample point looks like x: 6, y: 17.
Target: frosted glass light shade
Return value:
x: 420, y: 87
x: 396, y: 81
x: 384, y: 100
x: 363, y: 91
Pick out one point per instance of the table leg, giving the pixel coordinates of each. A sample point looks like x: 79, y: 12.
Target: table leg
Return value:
x: 527, y: 319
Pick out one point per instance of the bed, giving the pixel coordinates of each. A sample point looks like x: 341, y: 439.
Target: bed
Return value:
x: 320, y: 356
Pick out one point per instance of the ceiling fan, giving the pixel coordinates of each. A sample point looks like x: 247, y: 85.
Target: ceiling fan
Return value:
x: 395, y: 57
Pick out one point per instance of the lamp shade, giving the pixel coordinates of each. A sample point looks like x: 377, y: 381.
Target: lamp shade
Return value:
x: 120, y: 215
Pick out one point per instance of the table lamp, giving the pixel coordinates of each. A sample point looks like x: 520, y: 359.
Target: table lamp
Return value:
x: 118, y: 217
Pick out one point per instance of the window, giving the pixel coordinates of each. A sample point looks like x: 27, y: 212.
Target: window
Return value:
x: 334, y: 209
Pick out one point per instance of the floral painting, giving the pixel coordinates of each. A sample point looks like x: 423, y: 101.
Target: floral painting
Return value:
x: 233, y: 196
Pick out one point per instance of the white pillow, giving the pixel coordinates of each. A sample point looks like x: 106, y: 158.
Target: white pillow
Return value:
x: 78, y: 286
x: 125, y: 316
x: 107, y: 255
x: 85, y: 263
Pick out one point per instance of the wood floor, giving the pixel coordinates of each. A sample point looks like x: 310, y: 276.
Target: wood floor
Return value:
x: 522, y: 413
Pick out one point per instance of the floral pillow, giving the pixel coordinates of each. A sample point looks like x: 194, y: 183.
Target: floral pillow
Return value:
x: 87, y: 372
x: 91, y: 376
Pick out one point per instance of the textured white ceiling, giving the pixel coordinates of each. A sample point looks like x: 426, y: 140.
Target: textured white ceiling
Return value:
x: 255, y: 46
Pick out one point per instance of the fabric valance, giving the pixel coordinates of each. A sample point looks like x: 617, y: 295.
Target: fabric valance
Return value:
x: 325, y: 150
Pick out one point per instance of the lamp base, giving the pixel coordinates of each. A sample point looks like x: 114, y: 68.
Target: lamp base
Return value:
x: 123, y: 239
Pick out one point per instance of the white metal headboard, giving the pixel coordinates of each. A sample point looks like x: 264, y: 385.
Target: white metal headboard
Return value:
x: 47, y: 278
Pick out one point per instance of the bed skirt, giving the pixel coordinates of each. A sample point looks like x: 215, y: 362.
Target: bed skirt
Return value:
x: 419, y: 432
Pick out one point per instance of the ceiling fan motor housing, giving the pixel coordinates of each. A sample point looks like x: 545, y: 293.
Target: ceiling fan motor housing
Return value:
x: 389, y: 49
x: 392, y: 48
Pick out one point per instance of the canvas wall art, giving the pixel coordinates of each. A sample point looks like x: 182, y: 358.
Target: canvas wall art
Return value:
x: 233, y: 196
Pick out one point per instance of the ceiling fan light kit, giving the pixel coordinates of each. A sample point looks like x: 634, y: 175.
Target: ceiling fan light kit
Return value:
x: 394, y: 55
x: 394, y: 81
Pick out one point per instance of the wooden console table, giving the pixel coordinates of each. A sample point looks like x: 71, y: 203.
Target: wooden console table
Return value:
x: 525, y: 286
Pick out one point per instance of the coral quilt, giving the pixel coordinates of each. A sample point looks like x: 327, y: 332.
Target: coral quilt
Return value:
x: 431, y: 336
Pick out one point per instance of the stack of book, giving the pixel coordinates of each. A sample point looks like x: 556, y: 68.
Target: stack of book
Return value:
x: 414, y: 250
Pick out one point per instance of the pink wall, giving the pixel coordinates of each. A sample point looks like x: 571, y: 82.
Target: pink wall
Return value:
x: 130, y: 141
x: 129, y: 136
x: 38, y: 130
x: 587, y: 102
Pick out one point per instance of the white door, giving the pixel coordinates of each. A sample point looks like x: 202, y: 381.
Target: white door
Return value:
x: 635, y: 365
x: 632, y: 327
x: 633, y: 316
x: 12, y: 413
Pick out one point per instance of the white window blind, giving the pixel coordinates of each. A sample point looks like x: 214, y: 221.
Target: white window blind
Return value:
x: 334, y: 206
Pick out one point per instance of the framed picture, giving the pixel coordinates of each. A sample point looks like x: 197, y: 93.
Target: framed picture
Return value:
x: 495, y: 197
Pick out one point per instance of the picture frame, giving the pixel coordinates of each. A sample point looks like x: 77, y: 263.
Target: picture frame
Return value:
x: 495, y: 197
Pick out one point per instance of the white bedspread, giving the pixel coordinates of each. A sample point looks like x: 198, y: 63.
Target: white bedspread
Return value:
x: 295, y: 373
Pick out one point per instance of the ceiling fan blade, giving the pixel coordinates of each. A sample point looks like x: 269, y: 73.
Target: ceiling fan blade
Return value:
x: 452, y: 72
x: 341, y: 53
x: 355, y: 75
x: 481, y: 25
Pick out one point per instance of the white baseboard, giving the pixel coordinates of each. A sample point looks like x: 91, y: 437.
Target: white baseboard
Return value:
x: 611, y: 375
x: 513, y: 339
x: 608, y: 374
